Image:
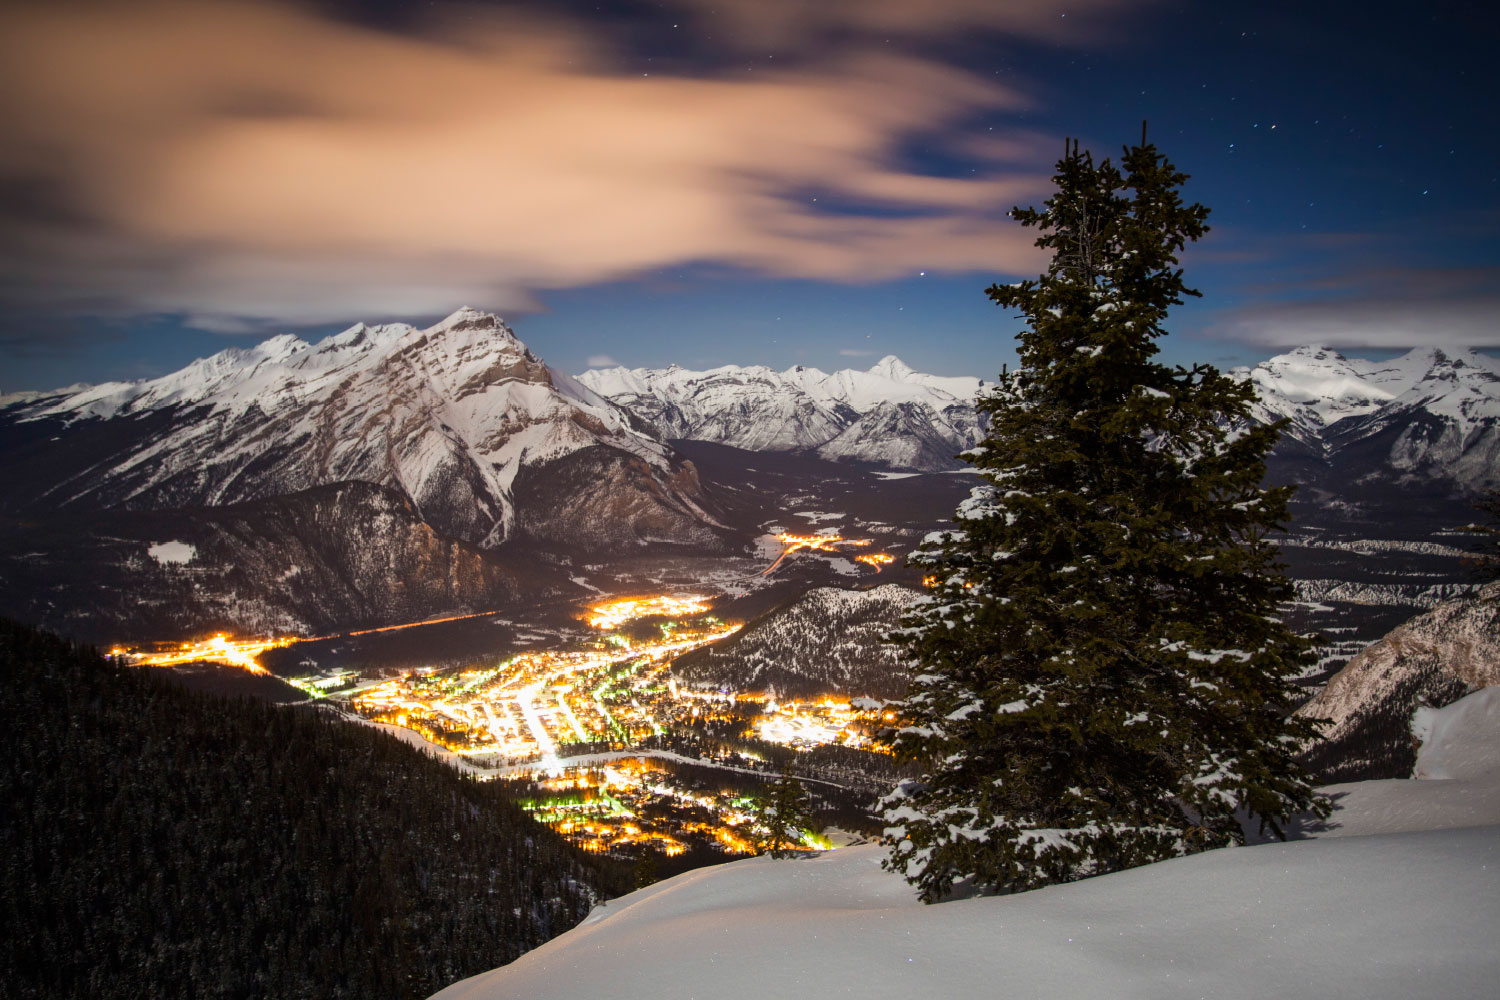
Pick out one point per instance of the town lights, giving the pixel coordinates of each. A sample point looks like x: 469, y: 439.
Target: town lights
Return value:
x: 833, y: 542
x: 616, y: 613
x: 218, y: 649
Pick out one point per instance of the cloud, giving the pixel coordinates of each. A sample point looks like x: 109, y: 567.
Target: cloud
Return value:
x: 853, y: 352
x: 1376, y: 305
x: 796, y: 23
x: 240, y: 162
x: 1370, y: 322
x: 602, y: 361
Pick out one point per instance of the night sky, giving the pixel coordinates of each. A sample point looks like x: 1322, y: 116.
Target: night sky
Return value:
x: 723, y: 181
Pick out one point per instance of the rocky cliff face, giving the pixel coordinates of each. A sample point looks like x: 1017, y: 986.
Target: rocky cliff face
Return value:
x: 354, y: 555
x: 1432, y: 660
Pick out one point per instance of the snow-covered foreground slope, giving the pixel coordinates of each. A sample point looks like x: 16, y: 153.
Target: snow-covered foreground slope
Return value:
x: 1381, y: 915
x: 1399, y: 916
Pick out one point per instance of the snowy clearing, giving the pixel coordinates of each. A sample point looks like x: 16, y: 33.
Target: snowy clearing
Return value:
x: 178, y: 553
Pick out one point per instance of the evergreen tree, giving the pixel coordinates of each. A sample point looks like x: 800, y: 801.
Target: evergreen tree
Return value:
x: 1101, y: 678
x: 782, y: 814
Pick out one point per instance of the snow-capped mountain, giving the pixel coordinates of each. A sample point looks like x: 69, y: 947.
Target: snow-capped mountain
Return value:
x: 460, y: 418
x: 889, y: 415
x: 1429, y: 415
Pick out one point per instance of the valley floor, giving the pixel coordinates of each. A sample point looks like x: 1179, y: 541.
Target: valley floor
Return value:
x: 1379, y: 904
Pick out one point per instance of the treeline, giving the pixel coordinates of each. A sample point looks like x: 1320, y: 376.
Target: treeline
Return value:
x: 158, y: 842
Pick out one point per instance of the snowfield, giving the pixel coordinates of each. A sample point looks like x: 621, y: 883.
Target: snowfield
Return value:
x: 1357, y: 912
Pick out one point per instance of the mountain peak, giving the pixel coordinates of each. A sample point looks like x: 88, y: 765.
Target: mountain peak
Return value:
x: 279, y: 347
x: 469, y: 318
x: 892, y: 367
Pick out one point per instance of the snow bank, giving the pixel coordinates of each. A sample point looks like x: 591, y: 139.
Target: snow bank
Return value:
x: 1456, y: 784
x: 1462, y: 740
x: 1400, y: 915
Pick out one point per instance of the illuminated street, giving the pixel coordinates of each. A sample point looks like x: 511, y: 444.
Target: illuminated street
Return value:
x: 610, y: 692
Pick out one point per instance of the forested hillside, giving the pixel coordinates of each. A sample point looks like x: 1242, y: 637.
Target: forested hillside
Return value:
x: 162, y: 843
x: 826, y: 641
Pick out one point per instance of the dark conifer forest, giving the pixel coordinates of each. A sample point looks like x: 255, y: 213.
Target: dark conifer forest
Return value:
x: 159, y: 842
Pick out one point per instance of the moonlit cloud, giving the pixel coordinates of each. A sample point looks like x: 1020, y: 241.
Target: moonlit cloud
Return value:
x: 1377, y: 323
x: 242, y: 162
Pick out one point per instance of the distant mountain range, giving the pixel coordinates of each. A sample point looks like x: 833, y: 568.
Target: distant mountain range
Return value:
x: 890, y: 415
x: 1427, y: 416
x: 390, y: 471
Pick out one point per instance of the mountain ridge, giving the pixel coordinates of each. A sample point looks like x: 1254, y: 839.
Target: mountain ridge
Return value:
x: 847, y: 414
x: 448, y: 416
x: 1429, y: 414
x: 1425, y: 415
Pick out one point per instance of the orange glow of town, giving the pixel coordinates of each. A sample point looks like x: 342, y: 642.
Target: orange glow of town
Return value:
x: 616, y: 613
x: 219, y: 649
x: 824, y: 543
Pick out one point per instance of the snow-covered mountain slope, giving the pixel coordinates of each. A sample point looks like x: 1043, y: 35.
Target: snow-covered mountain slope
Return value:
x: 1380, y: 915
x: 889, y: 415
x: 1433, y: 659
x: 1427, y: 415
x: 450, y: 417
x: 827, y: 640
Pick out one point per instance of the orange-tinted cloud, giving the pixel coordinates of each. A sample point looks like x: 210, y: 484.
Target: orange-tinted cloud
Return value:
x: 237, y: 160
